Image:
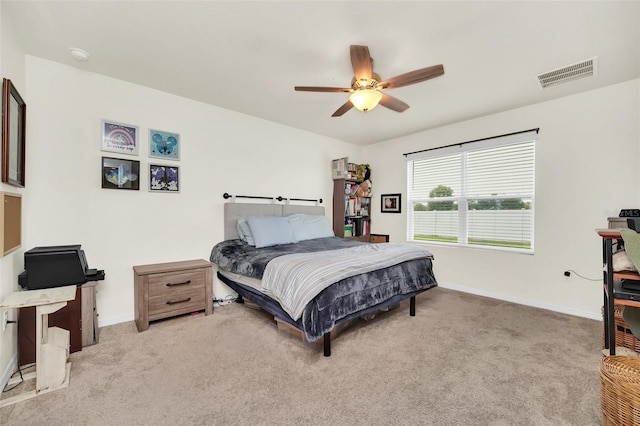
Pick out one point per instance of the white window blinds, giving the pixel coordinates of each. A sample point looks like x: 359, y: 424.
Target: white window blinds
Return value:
x: 480, y: 193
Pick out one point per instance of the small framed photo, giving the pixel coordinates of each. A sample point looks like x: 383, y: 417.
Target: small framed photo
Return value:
x: 164, y: 145
x: 164, y: 178
x: 391, y: 203
x: 118, y: 173
x: 119, y: 137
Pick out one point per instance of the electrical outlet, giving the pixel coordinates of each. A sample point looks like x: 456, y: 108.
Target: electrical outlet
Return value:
x: 5, y: 318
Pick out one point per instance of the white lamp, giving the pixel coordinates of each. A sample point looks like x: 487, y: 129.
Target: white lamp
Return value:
x: 365, y: 99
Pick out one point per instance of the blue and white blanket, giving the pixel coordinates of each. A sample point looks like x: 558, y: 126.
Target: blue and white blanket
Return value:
x: 295, y: 279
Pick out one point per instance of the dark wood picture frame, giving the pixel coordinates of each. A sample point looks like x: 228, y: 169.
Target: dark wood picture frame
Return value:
x: 14, y: 119
x: 391, y: 203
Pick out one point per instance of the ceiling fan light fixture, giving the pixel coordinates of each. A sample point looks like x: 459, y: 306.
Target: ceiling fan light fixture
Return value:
x: 365, y: 99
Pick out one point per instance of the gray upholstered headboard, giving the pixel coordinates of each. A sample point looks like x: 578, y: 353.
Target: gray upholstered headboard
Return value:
x: 233, y: 211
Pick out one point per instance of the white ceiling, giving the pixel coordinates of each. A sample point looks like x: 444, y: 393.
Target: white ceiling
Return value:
x: 248, y: 56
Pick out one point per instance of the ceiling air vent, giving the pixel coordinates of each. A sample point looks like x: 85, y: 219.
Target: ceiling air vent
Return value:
x: 583, y: 69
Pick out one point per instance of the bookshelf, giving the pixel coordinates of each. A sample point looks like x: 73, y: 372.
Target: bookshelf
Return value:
x: 351, y: 208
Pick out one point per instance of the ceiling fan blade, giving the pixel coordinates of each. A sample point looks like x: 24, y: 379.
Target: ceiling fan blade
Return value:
x: 344, y: 108
x: 412, y: 77
x: 322, y: 89
x: 393, y: 103
x: 361, y: 62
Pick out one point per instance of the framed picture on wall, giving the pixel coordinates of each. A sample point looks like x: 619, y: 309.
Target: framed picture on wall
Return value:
x: 391, y: 203
x: 164, y: 145
x: 119, y: 173
x: 14, y: 113
x: 119, y: 137
x: 164, y: 178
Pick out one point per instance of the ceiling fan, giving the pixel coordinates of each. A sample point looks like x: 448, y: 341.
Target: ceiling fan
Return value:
x: 367, y: 87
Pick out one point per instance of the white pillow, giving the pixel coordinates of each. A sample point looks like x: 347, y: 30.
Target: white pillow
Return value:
x: 270, y: 230
x: 309, y: 227
x: 244, y: 232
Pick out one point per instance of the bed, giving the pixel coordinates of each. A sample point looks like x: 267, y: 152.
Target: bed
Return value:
x: 311, y: 279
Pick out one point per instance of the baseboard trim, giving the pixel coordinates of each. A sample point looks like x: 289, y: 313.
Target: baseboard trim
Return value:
x: 103, y: 322
x: 8, y: 372
x: 521, y: 301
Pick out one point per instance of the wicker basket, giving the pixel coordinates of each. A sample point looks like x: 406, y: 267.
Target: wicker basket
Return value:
x: 620, y: 390
x: 624, y: 337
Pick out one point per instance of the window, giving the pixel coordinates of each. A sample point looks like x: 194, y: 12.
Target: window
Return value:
x: 478, y: 194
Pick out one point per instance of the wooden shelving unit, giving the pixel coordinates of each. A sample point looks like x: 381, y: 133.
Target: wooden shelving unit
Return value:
x: 609, y: 292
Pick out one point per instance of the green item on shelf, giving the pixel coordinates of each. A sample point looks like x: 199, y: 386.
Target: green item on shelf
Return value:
x: 632, y: 245
x: 631, y: 315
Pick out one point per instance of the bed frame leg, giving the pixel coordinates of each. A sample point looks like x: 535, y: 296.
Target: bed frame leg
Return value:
x: 327, y: 344
x: 412, y: 306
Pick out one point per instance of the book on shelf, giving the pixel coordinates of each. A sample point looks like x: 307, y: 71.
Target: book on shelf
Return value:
x: 352, y: 207
x: 362, y: 227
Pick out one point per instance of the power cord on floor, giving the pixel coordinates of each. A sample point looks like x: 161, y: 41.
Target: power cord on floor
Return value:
x: 228, y: 299
x: 21, y: 377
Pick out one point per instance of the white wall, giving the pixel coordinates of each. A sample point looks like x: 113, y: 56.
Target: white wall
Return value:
x: 587, y: 168
x: 221, y: 151
x: 12, y: 66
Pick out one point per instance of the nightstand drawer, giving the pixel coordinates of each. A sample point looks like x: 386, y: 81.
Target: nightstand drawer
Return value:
x: 175, y: 283
x: 378, y: 238
x: 170, y: 304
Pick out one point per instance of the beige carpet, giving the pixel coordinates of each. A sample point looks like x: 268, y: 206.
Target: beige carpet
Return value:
x: 462, y: 360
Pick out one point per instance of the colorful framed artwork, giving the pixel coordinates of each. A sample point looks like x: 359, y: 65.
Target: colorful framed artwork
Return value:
x: 164, y: 178
x: 164, y: 145
x: 14, y: 112
x: 391, y: 203
x: 119, y: 173
x: 119, y: 137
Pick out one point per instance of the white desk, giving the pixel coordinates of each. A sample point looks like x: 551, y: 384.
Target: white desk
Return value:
x: 52, y: 345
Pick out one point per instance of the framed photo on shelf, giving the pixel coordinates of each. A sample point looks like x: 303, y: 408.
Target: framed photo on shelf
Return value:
x: 391, y: 203
x: 164, y: 178
x: 119, y: 173
x: 14, y: 120
x: 164, y: 145
x: 119, y: 137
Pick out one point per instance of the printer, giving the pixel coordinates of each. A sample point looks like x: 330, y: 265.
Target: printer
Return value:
x: 56, y: 266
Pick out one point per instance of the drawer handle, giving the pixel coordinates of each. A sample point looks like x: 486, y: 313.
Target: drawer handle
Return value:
x: 171, y: 302
x: 182, y: 283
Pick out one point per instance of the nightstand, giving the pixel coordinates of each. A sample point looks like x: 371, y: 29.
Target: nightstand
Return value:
x: 165, y: 290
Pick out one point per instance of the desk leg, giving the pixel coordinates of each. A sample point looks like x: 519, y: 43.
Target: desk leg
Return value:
x: 610, y: 333
x: 605, y: 300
